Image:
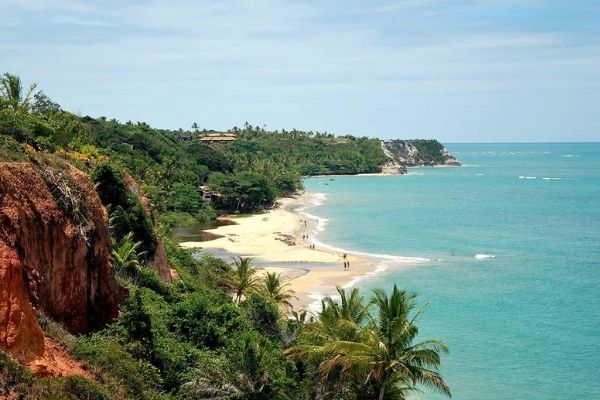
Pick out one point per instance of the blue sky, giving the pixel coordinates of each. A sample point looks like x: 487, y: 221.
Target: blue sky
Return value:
x: 461, y: 70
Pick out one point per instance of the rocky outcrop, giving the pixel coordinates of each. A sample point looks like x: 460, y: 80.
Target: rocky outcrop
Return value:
x: 20, y: 333
x: 158, y: 260
x: 449, y: 159
x: 392, y: 166
x: 160, y: 263
x: 417, y: 153
x: 55, y: 255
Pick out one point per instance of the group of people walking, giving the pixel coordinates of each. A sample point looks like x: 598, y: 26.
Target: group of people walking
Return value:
x: 312, y: 247
x: 346, y: 263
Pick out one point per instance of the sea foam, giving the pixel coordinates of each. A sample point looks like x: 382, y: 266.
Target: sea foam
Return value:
x: 483, y: 256
x: 385, y: 261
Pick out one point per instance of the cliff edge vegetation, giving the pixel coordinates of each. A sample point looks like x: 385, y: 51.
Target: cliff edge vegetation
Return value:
x: 98, y: 302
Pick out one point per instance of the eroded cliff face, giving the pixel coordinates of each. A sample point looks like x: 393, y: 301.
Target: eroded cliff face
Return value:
x: 416, y: 153
x: 55, y: 255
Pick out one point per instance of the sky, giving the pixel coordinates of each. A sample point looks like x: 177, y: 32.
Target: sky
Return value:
x: 455, y: 70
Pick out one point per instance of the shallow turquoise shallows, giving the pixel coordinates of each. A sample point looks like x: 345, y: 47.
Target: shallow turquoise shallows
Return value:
x: 523, y: 324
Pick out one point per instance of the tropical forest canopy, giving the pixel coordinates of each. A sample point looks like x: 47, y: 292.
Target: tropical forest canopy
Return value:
x: 248, y: 173
x: 220, y: 331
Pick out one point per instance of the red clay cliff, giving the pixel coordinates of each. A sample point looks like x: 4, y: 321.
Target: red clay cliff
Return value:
x: 52, y: 259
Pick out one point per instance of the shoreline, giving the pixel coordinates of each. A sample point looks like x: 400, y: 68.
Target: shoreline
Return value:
x: 275, y: 240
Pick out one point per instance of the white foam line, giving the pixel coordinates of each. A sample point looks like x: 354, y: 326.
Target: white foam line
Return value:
x: 388, y: 257
x: 484, y: 256
x: 316, y: 199
x: 317, y: 297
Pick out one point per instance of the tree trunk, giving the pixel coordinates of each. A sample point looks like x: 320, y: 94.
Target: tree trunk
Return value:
x: 382, y: 387
x: 382, y: 391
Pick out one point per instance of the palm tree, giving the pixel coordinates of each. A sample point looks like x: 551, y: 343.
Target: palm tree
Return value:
x: 274, y: 290
x: 338, y: 320
x: 383, y: 353
x: 242, y: 375
x: 351, y: 306
x: 125, y: 256
x: 212, y: 381
x: 12, y: 92
x: 244, y: 277
x: 296, y: 323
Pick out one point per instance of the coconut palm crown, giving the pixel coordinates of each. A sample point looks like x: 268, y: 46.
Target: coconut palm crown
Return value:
x: 382, y: 352
x: 277, y: 292
x: 243, y: 278
x: 12, y: 94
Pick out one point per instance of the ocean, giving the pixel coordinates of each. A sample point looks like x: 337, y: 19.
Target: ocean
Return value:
x: 512, y: 284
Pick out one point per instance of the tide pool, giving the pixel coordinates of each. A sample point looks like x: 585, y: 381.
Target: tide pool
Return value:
x: 514, y: 242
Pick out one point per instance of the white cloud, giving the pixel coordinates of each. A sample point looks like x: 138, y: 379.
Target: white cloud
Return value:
x: 229, y: 58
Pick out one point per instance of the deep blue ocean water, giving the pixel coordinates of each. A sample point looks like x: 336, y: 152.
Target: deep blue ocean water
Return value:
x: 524, y: 324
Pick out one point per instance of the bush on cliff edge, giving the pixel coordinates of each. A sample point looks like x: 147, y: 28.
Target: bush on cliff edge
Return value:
x: 126, y: 211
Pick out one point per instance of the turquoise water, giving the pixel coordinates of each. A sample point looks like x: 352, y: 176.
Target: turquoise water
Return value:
x: 524, y: 324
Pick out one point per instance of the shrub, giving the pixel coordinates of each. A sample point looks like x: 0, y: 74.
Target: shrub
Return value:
x: 185, y: 198
x: 207, y: 319
x: 263, y: 315
x: 13, y: 376
x: 173, y: 358
x: 137, y: 325
x: 24, y: 128
x: 126, y: 210
x: 109, y: 184
x: 11, y: 150
x: 84, y: 389
x: 148, y: 278
x: 140, y: 379
x: 176, y: 219
x: 245, y: 191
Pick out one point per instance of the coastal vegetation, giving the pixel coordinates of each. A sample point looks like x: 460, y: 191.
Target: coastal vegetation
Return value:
x: 373, y: 344
x: 220, y: 330
x: 246, y: 174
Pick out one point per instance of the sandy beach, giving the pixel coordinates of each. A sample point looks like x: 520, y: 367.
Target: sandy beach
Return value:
x: 275, y: 240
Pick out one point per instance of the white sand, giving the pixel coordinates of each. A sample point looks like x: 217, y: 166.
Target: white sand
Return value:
x: 258, y: 236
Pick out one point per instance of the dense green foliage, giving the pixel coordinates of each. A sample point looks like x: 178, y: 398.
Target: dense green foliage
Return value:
x: 429, y: 150
x: 11, y: 150
x: 242, y: 191
x: 247, y: 174
x: 371, y: 346
x: 306, y: 153
x: 126, y: 210
x: 221, y: 331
